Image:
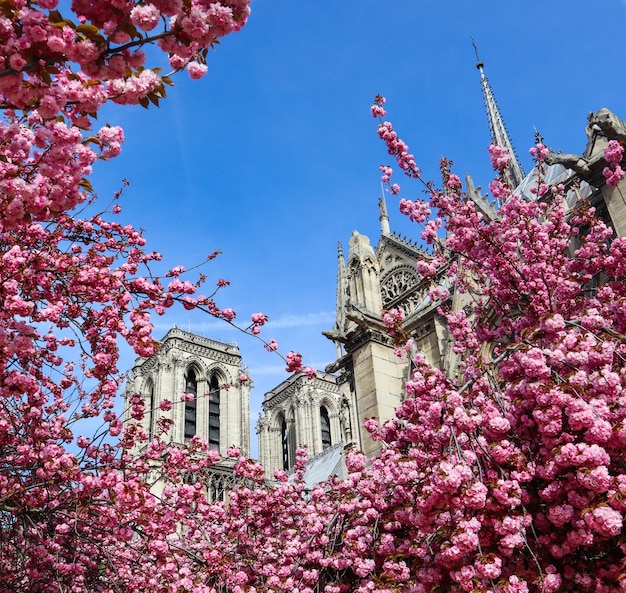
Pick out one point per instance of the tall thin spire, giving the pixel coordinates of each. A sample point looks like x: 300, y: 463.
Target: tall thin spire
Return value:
x: 342, y: 288
x: 499, y: 135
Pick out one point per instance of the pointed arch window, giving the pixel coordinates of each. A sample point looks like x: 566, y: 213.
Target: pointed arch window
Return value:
x: 214, y: 413
x: 284, y: 439
x: 217, y: 489
x: 325, y: 424
x: 151, y: 408
x: 191, y: 407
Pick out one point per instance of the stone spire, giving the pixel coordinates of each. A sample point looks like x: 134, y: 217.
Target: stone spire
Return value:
x: 338, y: 333
x: 383, y: 217
x: 342, y: 289
x: 499, y: 135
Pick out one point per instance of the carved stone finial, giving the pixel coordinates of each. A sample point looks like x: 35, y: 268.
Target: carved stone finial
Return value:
x: 480, y: 201
x: 384, y: 217
x: 360, y: 249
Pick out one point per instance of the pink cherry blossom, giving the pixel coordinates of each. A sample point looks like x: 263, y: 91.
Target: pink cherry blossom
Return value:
x: 500, y: 157
x: 145, y: 17
x: 272, y: 346
x: 196, y: 70
x: 539, y: 152
x: 613, y: 175
x: 613, y: 152
x: 294, y: 362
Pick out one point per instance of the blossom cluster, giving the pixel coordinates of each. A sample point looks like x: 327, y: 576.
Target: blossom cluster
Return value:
x: 396, y: 147
x: 73, y: 286
x: 517, y: 462
x: 539, y: 152
x: 258, y: 320
x: 613, y: 153
x: 392, y: 320
x: 500, y: 157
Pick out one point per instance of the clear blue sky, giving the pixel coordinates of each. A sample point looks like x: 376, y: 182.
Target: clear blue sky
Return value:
x: 273, y: 157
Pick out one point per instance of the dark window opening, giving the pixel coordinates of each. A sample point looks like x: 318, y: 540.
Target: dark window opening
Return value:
x: 191, y: 407
x: 151, y: 410
x: 285, y: 444
x: 214, y: 413
x: 325, y: 422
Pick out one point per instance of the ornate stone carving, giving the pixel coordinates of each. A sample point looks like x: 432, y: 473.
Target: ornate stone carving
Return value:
x: 148, y: 365
x: 423, y: 329
x: 610, y: 125
x: 345, y: 421
x: 397, y: 284
x: 296, y: 389
x: 574, y: 162
x: 203, y: 351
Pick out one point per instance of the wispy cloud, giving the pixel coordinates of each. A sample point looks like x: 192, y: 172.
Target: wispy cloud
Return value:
x: 324, y: 319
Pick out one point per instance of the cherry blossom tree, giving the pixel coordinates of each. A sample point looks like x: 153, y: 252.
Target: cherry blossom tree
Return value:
x: 508, y: 476
x: 72, y: 285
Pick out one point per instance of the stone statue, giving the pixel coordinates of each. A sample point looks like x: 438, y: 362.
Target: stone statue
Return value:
x: 344, y: 420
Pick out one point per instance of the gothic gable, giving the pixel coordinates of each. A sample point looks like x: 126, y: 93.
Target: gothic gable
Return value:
x: 398, y: 274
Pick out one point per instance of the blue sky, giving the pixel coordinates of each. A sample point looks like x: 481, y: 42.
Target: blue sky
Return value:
x: 273, y: 157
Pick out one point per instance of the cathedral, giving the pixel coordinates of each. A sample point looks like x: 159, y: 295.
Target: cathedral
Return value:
x: 326, y: 413
x: 367, y: 378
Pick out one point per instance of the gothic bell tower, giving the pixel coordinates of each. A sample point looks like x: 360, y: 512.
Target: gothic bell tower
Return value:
x: 219, y: 409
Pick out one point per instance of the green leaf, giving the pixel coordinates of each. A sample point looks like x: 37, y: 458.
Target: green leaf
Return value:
x: 87, y: 29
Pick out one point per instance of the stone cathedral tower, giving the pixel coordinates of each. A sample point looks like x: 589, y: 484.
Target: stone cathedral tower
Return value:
x: 366, y: 380
x: 384, y: 278
x: 371, y: 374
x: 310, y: 412
x: 220, y: 410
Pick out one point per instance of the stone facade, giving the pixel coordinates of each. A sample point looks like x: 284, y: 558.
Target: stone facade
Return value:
x: 303, y: 411
x: 371, y: 374
x: 220, y: 410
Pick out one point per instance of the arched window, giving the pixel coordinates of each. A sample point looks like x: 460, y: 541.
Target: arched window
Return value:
x: 151, y: 409
x: 284, y: 436
x: 214, y: 413
x: 216, y: 489
x: 191, y: 386
x: 325, y: 423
